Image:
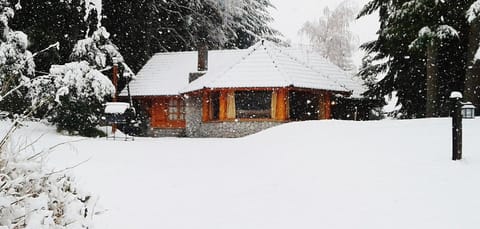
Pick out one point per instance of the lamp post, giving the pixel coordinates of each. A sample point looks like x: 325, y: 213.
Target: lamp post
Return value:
x: 456, y: 98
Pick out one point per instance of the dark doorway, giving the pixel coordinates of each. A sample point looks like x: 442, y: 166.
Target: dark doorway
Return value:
x: 303, y: 106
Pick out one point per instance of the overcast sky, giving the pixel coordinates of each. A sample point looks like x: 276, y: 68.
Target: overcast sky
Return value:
x: 291, y: 14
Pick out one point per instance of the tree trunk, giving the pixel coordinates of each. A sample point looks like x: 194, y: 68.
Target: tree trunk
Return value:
x: 472, y: 75
x: 432, y: 81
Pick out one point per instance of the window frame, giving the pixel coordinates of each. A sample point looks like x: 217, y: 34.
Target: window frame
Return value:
x: 280, y: 114
x: 176, y: 108
x: 249, y: 114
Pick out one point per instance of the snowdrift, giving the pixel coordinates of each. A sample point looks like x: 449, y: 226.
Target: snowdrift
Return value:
x: 319, y: 174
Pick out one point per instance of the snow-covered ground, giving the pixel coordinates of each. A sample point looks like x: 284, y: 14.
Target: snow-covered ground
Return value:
x: 320, y: 174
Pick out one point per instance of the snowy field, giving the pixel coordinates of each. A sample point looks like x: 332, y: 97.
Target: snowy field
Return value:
x: 321, y: 174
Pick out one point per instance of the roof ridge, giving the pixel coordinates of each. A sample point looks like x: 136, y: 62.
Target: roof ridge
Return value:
x: 254, y: 48
x: 288, y: 79
x: 194, y: 51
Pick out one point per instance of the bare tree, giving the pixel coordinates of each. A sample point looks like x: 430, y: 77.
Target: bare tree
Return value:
x: 331, y: 35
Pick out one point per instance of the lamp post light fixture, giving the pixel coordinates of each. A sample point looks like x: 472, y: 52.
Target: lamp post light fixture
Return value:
x: 468, y: 110
x: 456, y: 98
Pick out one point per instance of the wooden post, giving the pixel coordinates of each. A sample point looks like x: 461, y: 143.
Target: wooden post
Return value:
x: 115, y: 83
x: 328, y: 105
x: 432, y: 80
x: 222, y: 105
x: 456, y: 98
x: 282, y: 99
x: 205, y: 106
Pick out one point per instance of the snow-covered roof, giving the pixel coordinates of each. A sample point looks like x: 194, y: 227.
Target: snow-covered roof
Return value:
x: 263, y: 65
x: 168, y: 73
x: 312, y: 58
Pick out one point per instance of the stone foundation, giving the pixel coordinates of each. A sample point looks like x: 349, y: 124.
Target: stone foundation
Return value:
x: 233, y: 129
x: 157, y: 132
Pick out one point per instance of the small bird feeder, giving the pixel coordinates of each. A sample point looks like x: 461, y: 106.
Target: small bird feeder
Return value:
x: 468, y: 110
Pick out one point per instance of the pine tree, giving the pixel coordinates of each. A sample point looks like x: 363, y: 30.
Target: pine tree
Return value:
x: 48, y: 22
x: 423, y: 45
x: 16, y: 64
x: 472, y: 76
x: 75, y: 92
x: 145, y: 27
x: 249, y: 20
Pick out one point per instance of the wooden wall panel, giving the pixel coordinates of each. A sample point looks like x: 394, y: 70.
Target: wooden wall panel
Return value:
x: 159, y: 114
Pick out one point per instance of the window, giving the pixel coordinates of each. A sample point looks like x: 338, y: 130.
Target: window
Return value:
x: 304, y: 106
x: 214, y: 105
x: 253, y: 104
x: 176, y: 109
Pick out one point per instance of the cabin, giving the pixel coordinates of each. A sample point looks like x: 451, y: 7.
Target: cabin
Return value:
x: 234, y: 93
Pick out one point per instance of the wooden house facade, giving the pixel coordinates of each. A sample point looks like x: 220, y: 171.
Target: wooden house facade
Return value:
x: 240, y: 92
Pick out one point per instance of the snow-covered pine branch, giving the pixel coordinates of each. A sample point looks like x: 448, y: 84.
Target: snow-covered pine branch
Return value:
x: 473, y: 12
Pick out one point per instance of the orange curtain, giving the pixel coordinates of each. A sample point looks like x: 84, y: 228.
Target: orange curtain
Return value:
x: 274, y: 104
x: 231, y: 114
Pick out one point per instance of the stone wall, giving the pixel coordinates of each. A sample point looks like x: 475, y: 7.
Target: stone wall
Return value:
x: 195, y: 127
x: 160, y: 132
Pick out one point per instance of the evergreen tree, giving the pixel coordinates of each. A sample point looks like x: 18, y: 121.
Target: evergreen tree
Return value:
x: 142, y: 28
x: 249, y: 20
x: 76, y: 92
x: 472, y: 76
x: 48, y: 22
x: 422, y: 44
x: 16, y: 64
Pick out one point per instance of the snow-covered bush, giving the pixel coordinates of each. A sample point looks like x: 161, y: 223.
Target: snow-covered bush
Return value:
x: 75, y: 93
x: 31, y: 197
x: 16, y: 63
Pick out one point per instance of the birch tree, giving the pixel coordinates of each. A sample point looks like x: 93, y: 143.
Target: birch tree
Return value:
x: 331, y: 35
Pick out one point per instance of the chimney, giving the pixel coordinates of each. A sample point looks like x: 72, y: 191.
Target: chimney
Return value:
x: 115, y: 78
x: 202, y: 66
x: 202, y: 58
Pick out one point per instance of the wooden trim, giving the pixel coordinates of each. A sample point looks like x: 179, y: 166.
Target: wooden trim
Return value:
x: 154, y: 97
x: 328, y: 106
x: 282, y: 108
x: 325, y: 106
x: 282, y: 99
x: 206, y: 106
x: 222, y: 105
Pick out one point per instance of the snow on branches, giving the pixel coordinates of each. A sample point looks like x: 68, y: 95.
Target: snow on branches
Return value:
x: 31, y: 197
x: 80, y: 81
x: 473, y: 12
x: 97, y: 50
x: 74, y: 93
x: 426, y: 34
x: 15, y: 60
